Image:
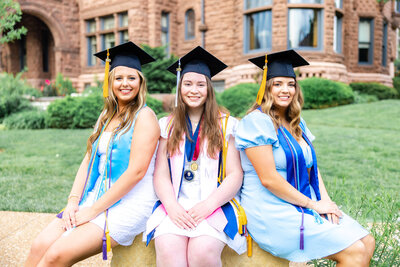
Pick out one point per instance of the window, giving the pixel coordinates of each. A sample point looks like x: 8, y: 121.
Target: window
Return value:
x: 107, y: 23
x: 305, y: 28
x: 91, y: 26
x: 384, y: 44
x: 123, y: 19
x: 22, y: 53
x: 397, y: 6
x: 365, y: 37
x: 398, y: 43
x: 165, y: 31
x: 305, y: 1
x: 337, y: 33
x: 189, y: 24
x: 339, y: 4
x: 92, y: 48
x: 107, y: 40
x: 258, y: 25
x: 123, y: 37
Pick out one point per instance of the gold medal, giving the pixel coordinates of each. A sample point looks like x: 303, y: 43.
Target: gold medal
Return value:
x: 194, y: 166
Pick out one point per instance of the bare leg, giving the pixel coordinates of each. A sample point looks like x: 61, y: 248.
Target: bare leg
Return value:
x: 205, y: 251
x: 353, y: 255
x: 369, y: 243
x: 43, y: 241
x: 171, y: 250
x: 83, y: 242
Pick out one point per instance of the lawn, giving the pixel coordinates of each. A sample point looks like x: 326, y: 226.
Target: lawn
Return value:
x: 358, y: 152
x: 357, y: 146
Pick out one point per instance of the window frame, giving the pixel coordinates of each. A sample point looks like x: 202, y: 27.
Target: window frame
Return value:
x: 371, y: 48
x: 246, y: 28
x: 166, y: 30
x: 320, y: 18
x: 187, y: 37
x: 384, y: 43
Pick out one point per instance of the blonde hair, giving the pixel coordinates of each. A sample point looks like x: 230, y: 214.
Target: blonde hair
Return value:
x: 126, y: 115
x: 292, y: 114
x: 210, y: 126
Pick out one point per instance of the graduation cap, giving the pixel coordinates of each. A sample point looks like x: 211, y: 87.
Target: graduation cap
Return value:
x: 126, y: 54
x: 199, y: 61
x: 279, y: 64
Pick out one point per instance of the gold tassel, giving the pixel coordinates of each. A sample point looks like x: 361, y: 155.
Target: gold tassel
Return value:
x: 108, y: 240
x: 107, y: 70
x: 261, y: 91
x: 249, y: 245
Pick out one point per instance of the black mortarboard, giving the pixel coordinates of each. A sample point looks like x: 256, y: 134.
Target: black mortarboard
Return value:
x: 280, y: 64
x: 200, y: 61
x: 127, y: 54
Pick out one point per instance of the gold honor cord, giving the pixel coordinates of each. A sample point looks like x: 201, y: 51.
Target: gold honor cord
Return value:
x: 261, y: 91
x: 242, y: 219
x: 106, y: 71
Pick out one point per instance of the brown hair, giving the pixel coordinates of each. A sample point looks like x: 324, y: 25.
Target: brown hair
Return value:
x: 210, y: 126
x: 292, y: 112
x: 126, y: 115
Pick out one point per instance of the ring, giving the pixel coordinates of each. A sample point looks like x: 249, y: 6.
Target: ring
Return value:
x: 192, y: 215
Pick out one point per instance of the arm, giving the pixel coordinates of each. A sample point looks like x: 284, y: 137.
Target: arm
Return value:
x: 263, y: 162
x: 75, y: 194
x: 165, y: 191
x: 228, y: 188
x: 144, y: 142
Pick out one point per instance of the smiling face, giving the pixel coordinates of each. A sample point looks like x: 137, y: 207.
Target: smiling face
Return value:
x: 194, y: 90
x: 126, y: 85
x: 283, y: 90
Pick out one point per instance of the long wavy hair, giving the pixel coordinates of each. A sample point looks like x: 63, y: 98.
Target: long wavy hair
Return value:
x: 293, y: 111
x: 210, y: 124
x: 125, y: 115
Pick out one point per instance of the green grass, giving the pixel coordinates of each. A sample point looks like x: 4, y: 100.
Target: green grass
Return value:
x: 358, y: 150
x: 37, y: 167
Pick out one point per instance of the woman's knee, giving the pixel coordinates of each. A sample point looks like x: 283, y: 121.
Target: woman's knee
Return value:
x: 203, y: 256
x: 39, y: 246
x: 54, y: 255
x: 369, y: 242
x: 169, y: 253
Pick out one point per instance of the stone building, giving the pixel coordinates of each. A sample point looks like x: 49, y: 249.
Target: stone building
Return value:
x: 345, y: 40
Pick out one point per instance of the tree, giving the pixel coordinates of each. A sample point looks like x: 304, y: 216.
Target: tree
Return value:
x: 158, y: 79
x: 10, y: 15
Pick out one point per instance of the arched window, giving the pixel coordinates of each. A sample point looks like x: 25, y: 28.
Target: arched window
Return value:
x: 189, y: 24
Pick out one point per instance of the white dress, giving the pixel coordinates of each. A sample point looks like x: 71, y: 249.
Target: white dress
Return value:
x: 128, y: 218
x: 190, y: 194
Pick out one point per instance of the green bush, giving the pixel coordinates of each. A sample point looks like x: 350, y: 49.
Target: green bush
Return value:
x: 364, y: 98
x: 155, y: 104
x: 158, y: 79
x: 396, y: 85
x: 379, y: 90
x: 324, y: 93
x: 86, y: 110
x: 12, y: 90
x: 60, y: 113
x: 64, y: 85
x: 32, y: 119
x: 239, y: 98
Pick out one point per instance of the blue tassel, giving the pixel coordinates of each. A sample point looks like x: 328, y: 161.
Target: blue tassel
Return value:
x: 104, y: 248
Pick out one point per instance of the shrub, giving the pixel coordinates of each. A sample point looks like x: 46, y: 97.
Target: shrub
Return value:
x: 32, y: 119
x: 239, y: 98
x: 364, y: 98
x: 159, y: 80
x: 396, y: 85
x: 86, y: 110
x: 379, y: 90
x: 323, y: 93
x: 155, y: 104
x: 12, y: 90
x: 60, y: 113
x: 64, y: 85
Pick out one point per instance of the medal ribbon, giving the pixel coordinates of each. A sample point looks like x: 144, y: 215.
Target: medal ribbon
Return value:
x: 192, y: 144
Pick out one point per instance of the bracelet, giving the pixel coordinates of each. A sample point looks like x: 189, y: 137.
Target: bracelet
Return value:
x: 72, y: 196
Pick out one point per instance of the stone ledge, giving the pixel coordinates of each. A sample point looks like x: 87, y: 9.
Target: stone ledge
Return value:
x: 138, y: 255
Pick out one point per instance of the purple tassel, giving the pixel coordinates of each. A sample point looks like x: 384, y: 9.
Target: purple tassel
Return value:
x: 104, y: 248
x: 302, y: 237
